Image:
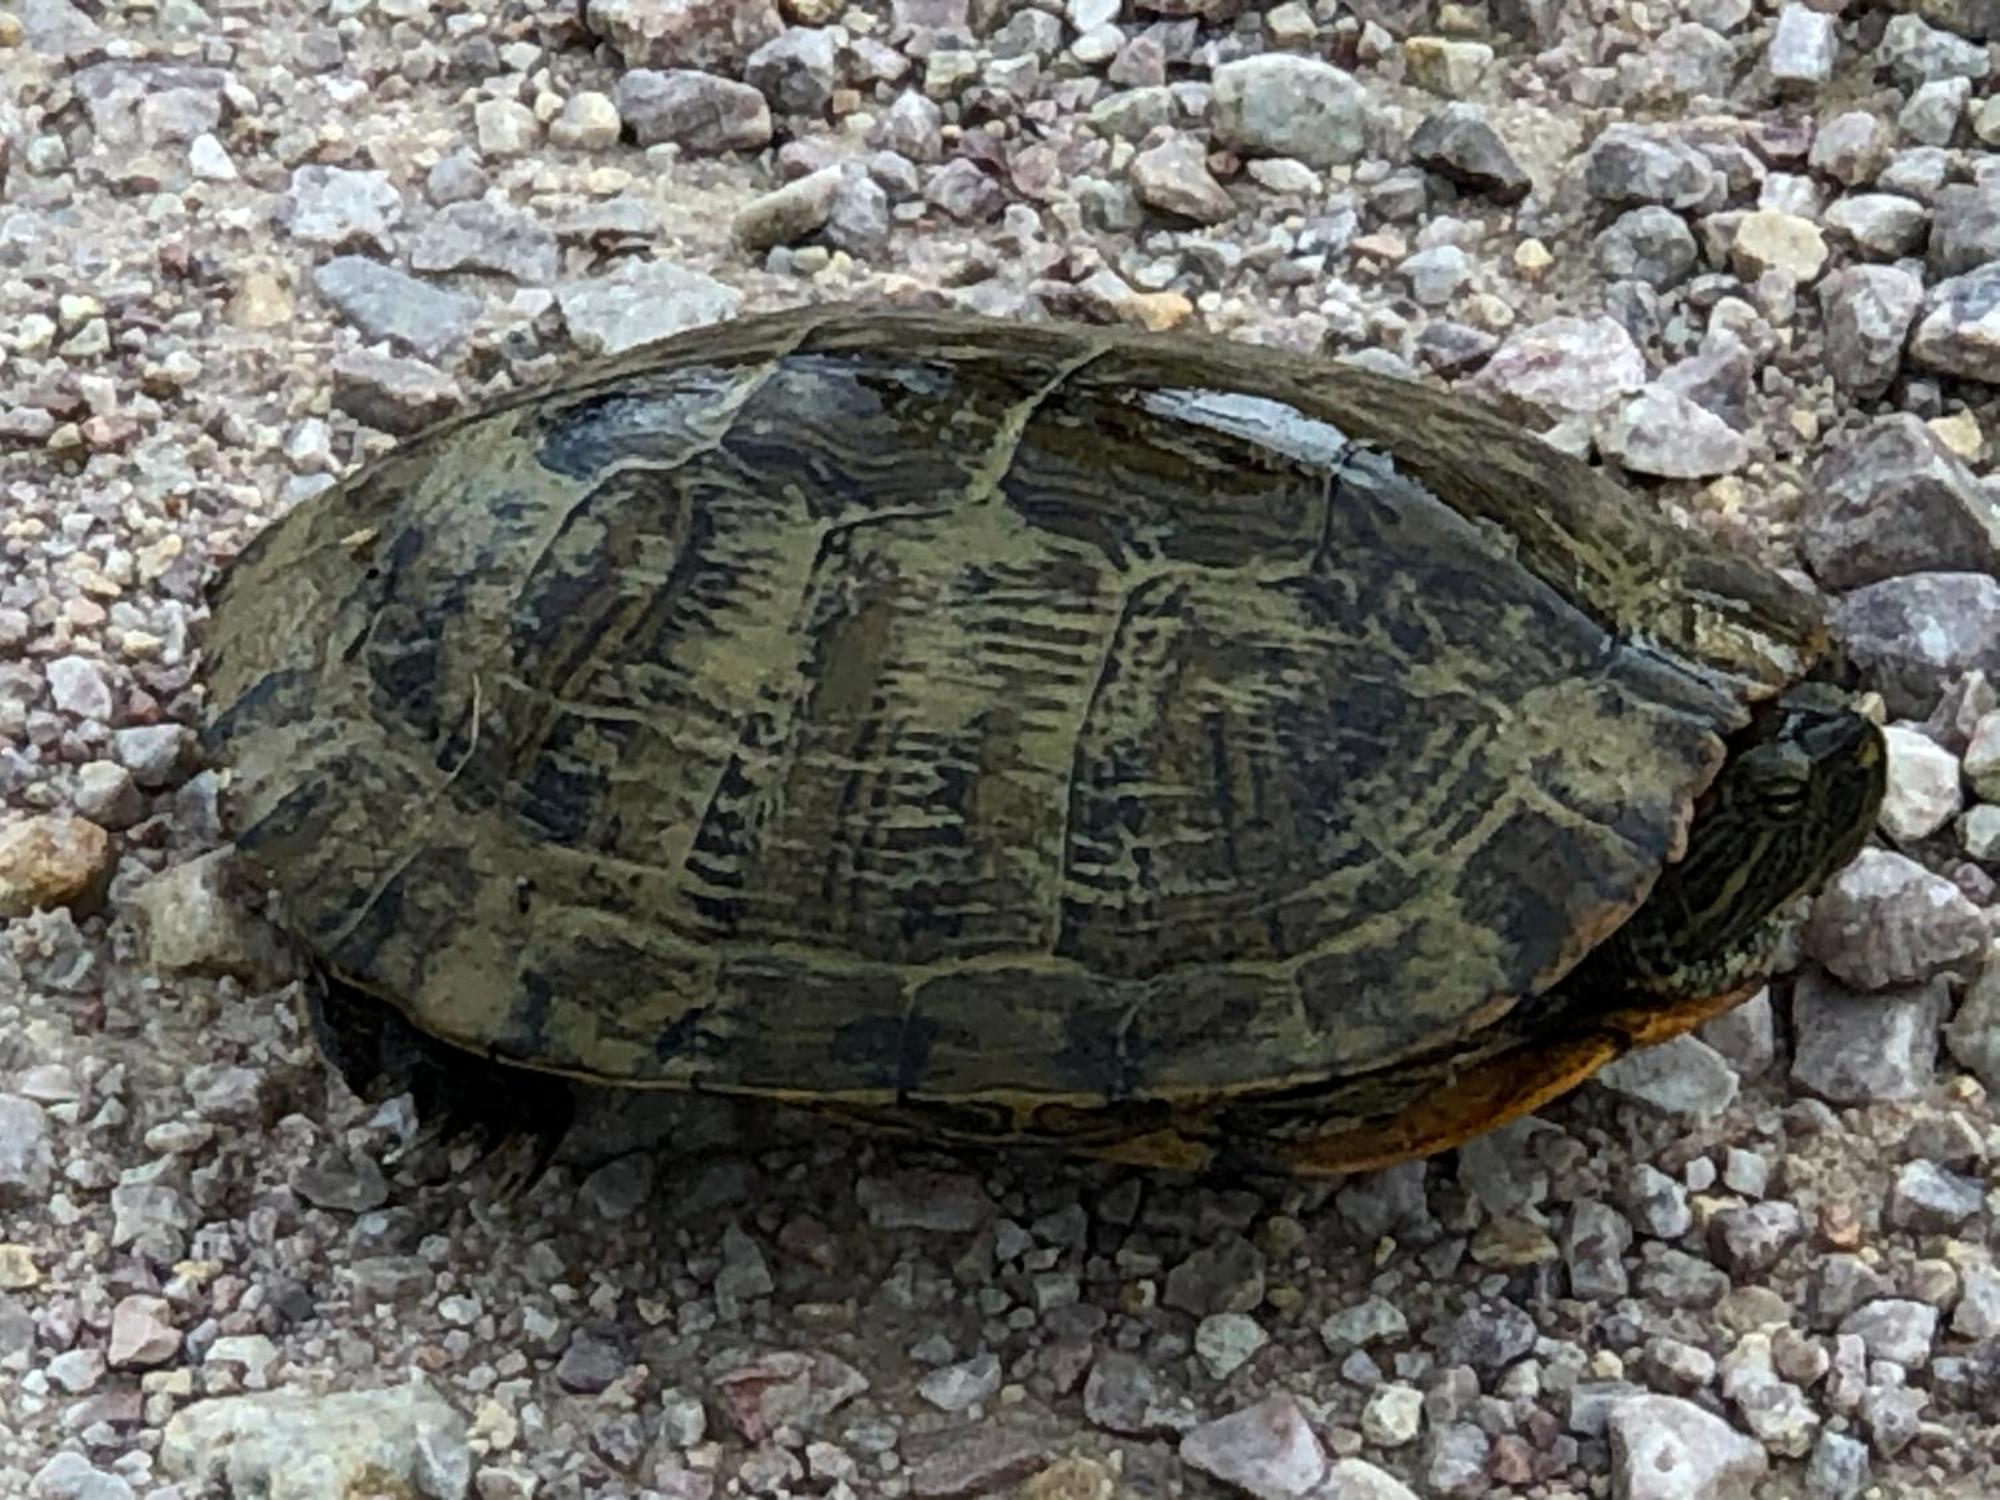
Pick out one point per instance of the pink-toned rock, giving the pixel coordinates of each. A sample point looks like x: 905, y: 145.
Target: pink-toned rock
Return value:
x: 1268, y: 1450
x: 787, y: 1388
x: 142, y: 1333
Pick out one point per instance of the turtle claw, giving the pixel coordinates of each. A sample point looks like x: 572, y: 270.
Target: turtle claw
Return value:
x: 460, y: 1096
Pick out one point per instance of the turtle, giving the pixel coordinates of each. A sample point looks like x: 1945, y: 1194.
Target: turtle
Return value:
x: 1185, y: 753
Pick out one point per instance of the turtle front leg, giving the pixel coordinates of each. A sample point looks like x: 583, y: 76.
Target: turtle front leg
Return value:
x: 458, y: 1094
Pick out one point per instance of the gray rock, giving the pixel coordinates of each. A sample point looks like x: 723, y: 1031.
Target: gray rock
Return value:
x: 150, y: 1213
x: 1279, y: 105
x: 482, y: 236
x: 71, y: 1476
x: 1455, y: 1460
x: 1594, y: 1243
x: 1650, y: 244
x: 1354, y: 1479
x: 788, y: 214
x: 193, y: 922
x: 346, y: 1183
x: 1634, y: 164
x: 1173, y: 177
x: 1752, y: 1239
x: 1684, y: 1078
x: 1895, y: 500
x: 1224, y: 1342
x: 1565, y: 367
x: 696, y: 111
x: 1965, y: 228
x: 1891, y: 1415
x: 81, y: 687
x: 106, y: 794
x: 457, y: 178
x: 1929, y: 1200
x: 1803, y: 46
x: 1850, y: 148
x: 1886, y: 920
x: 1267, y: 1450
x: 967, y: 192
x: 1226, y: 1275
x: 1661, y: 432
x: 966, y: 1462
x: 717, y: 34
x: 400, y: 396
x: 620, y: 1187
x: 954, y: 1388
x: 797, y: 70
x: 1124, y: 1396
x: 1881, y: 226
x: 407, y: 1438
x: 1459, y: 145
x: 1838, y: 1469
x: 339, y: 209
x: 1918, y: 53
x: 1488, y: 1336
x: 1914, y: 634
x: 941, y: 1202
x: 787, y: 1388
x: 1664, y: 1448
x: 1960, y: 331
x: 384, y: 303
x: 1836, y: 1285
x: 589, y: 1364
x: 1894, y: 1328
x: 912, y: 126
x: 1932, y: 114
x: 1868, y: 312
x: 640, y: 302
x: 1859, y: 1048
x: 1923, y: 792
x: 1977, y: 1315
x: 155, y: 754
x: 1435, y: 275
x: 1973, y: 1037
x: 857, y: 220
x: 1679, y: 1279
x: 1371, y: 1321
x: 26, y: 1158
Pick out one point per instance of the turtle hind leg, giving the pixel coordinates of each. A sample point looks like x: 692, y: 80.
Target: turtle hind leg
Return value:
x: 459, y: 1095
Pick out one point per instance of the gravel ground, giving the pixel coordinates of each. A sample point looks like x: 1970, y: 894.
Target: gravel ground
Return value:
x: 1750, y: 256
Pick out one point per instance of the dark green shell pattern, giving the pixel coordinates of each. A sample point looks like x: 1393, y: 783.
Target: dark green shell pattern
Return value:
x: 869, y: 706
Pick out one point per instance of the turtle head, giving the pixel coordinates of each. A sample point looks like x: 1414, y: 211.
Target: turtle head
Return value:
x: 1791, y: 805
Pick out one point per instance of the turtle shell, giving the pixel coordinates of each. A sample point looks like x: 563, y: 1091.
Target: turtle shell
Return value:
x: 881, y: 706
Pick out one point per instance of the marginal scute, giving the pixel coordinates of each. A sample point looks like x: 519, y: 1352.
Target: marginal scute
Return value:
x: 1028, y: 723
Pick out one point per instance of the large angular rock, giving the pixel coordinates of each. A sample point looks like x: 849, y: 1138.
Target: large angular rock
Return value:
x: 696, y: 111
x: 1565, y: 367
x: 1664, y: 1448
x: 1868, y: 312
x: 1895, y: 500
x: 714, y: 34
x: 1277, y: 104
x: 385, y: 303
x: 1268, y: 1450
x: 1960, y: 331
x: 1858, y: 1048
x: 1914, y: 634
x: 1886, y: 920
x: 406, y: 1440
x: 1633, y: 164
x: 640, y: 302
